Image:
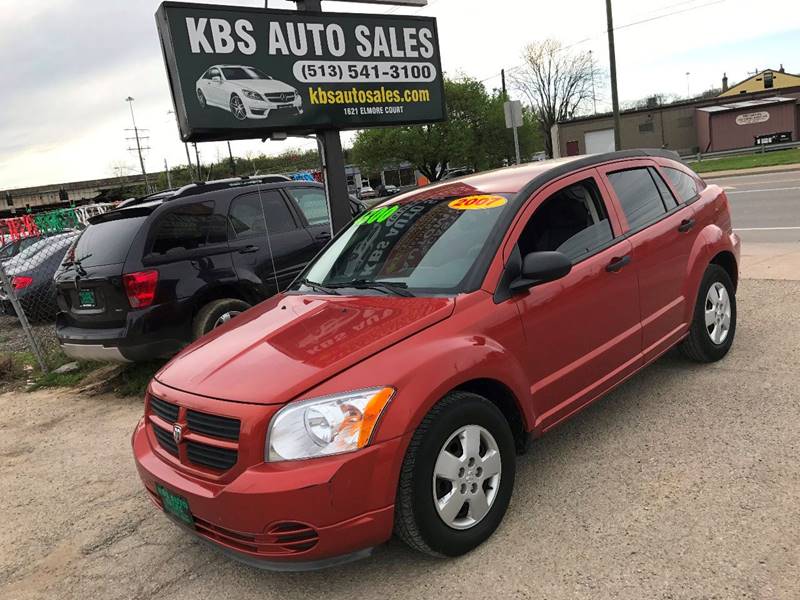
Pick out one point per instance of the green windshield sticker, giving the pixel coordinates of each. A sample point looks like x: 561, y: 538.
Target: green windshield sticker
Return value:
x: 377, y: 215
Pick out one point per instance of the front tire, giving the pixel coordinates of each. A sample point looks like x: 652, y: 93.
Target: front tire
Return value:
x: 216, y: 313
x: 713, y: 326
x: 237, y: 108
x: 457, y: 477
x: 201, y: 98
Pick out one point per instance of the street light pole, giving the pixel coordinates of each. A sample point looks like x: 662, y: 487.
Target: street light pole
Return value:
x: 594, y: 96
x: 129, y: 100
x: 688, y: 93
x: 185, y: 145
x: 612, y: 58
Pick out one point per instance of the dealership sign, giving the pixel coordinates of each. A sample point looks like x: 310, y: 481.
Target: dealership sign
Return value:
x: 753, y: 118
x: 239, y: 72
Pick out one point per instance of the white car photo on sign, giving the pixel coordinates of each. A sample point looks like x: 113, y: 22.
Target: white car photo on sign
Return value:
x: 246, y: 92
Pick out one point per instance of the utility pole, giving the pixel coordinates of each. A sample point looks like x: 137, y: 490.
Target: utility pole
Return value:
x: 688, y: 93
x: 129, y: 100
x: 503, y: 82
x: 613, y: 61
x: 233, y: 162
x: 594, y: 96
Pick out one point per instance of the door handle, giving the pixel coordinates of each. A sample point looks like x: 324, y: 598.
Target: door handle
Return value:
x: 248, y: 249
x: 686, y: 225
x: 617, y: 263
x: 325, y: 235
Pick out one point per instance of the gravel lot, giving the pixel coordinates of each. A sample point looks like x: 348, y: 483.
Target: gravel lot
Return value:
x: 683, y: 483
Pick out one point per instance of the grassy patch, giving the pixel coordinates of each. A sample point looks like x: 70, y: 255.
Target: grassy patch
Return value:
x: 767, y: 159
x: 133, y: 379
x: 69, y: 379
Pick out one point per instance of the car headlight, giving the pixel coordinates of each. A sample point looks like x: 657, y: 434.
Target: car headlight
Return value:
x: 325, y: 426
x: 252, y: 95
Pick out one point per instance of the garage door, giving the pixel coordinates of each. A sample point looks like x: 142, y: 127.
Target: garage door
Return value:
x: 597, y: 142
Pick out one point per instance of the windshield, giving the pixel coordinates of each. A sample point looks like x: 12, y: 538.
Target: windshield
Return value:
x: 425, y: 245
x: 234, y: 73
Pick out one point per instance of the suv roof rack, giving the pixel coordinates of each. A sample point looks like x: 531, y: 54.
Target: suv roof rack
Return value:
x: 201, y: 187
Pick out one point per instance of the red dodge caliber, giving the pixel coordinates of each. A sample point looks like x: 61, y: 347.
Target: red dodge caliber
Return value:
x: 392, y: 386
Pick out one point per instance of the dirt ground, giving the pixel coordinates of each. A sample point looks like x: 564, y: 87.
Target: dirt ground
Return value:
x: 683, y: 483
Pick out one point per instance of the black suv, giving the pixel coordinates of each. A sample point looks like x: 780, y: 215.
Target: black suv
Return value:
x: 144, y: 280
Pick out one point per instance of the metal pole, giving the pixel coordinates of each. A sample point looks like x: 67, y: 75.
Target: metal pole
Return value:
x: 516, y: 144
x: 5, y: 284
x: 332, y: 158
x: 612, y: 58
x: 594, y: 96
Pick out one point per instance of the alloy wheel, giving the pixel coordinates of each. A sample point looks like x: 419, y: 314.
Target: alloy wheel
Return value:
x: 225, y: 317
x: 238, y: 109
x: 718, y: 313
x: 201, y: 98
x: 466, y: 477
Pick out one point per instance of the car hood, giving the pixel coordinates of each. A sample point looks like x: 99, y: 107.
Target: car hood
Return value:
x: 265, y: 86
x: 289, y: 344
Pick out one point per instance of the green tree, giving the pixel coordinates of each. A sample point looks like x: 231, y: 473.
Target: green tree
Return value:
x: 474, y: 135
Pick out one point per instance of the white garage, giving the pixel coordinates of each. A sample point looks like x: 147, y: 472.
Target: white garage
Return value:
x: 597, y: 142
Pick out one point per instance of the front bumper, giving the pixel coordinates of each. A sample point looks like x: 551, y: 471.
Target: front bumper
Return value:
x: 294, y: 515
x: 257, y: 109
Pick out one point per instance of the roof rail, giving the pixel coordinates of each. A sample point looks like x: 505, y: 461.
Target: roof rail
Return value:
x: 201, y: 187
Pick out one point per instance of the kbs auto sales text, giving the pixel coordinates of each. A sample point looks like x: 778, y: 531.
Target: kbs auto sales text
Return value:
x: 220, y: 36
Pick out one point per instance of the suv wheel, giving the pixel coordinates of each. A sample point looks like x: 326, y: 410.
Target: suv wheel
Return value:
x: 217, y: 313
x: 457, y: 476
x: 714, y: 322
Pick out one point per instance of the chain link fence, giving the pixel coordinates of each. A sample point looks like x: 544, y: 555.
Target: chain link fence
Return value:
x: 28, y: 303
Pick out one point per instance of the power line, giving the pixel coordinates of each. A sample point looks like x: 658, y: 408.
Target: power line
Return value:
x: 625, y: 26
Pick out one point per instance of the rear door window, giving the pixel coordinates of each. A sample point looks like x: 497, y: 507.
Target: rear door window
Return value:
x: 279, y: 217
x: 189, y: 227
x: 247, y: 217
x: 638, y: 195
x: 684, y: 185
x: 312, y: 203
x: 107, y: 242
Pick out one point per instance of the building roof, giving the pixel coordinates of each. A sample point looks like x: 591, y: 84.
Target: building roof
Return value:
x: 757, y: 82
x: 746, y: 104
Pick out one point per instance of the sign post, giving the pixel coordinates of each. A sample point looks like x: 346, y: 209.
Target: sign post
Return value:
x: 514, y: 119
x: 246, y: 72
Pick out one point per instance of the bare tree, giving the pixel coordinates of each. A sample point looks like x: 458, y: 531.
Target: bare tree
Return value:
x: 556, y: 82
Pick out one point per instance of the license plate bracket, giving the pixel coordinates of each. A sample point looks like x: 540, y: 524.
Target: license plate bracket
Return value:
x: 86, y: 298
x: 177, y: 506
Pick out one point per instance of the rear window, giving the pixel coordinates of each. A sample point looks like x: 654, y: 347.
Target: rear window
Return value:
x: 685, y: 186
x: 107, y: 242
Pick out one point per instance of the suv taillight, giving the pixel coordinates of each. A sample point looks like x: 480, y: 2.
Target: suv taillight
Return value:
x: 20, y: 282
x: 140, y: 288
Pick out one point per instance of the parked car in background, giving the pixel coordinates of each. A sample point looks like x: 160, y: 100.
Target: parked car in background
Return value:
x: 366, y: 193
x: 387, y: 190
x: 31, y: 274
x: 14, y: 247
x: 392, y: 386
x: 145, y: 280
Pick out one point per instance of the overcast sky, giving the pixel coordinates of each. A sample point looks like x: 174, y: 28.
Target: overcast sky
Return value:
x: 70, y: 64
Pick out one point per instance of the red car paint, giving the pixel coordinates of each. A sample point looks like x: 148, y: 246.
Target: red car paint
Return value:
x: 553, y: 349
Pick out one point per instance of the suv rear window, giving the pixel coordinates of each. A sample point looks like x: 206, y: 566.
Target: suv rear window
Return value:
x: 107, y: 242
x: 189, y: 227
x: 313, y: 203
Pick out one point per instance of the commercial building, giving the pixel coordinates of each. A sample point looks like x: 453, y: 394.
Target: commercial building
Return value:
x: 750, y: 116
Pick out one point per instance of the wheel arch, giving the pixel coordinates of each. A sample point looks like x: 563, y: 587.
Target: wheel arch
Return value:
x: 218, y: 292
x: 505, y: 400
x: 727, y: 261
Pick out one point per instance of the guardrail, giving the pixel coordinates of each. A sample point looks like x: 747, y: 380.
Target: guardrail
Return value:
x: 760, y: 149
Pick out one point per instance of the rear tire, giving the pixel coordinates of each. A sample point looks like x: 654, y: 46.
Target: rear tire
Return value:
x: 480, y: 497
x: 713, y: 326
x: 214, y: 314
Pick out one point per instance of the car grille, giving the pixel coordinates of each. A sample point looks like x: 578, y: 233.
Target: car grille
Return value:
x: 280, y: 97
x: 221, y: 427
x: 165, y: 440
x: 200, y: 453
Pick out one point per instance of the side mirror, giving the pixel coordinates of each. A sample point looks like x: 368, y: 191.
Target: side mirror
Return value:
x: 216, y: 79
x: 541, y: 267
